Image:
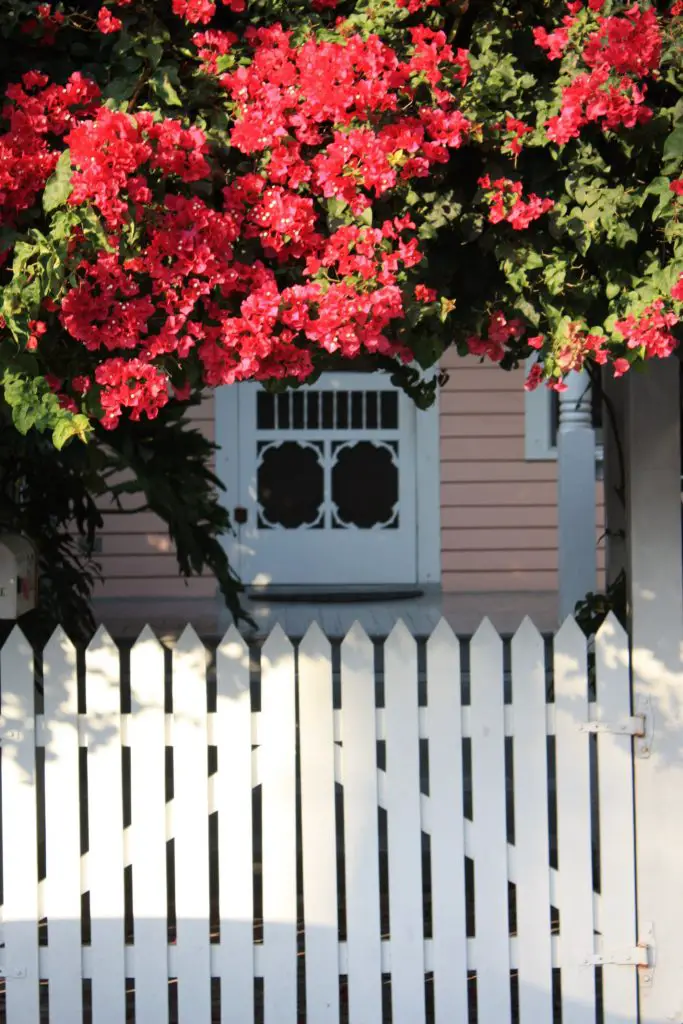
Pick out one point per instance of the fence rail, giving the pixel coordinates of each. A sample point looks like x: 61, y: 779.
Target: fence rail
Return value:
x: 310, y: 833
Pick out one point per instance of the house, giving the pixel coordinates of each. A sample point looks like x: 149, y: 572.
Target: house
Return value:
x: 347, y: 486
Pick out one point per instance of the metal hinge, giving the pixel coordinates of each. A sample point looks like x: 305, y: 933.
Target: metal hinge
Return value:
x: 633, y: 726
x: 638, y: 956
x: 639, y: 725
x: 641, y: 956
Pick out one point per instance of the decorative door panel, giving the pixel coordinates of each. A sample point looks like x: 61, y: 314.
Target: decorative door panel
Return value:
x: 327, y: 479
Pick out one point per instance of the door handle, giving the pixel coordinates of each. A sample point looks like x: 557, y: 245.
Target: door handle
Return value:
x: 240, y: 515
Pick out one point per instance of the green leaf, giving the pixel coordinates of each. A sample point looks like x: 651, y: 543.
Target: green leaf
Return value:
x: 673, y: 147
x: 163, y: 83
x: 58, y: 187
x: 70, y: 426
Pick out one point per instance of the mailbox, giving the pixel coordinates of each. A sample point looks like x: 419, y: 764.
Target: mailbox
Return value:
x: 18, y: 575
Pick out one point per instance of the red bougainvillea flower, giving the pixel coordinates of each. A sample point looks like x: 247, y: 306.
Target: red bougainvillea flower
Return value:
x: 195, y: 11
x: 505, y: 197
x: 108, y: 22
x: 130, y: 384
x: 677, y: 290
x: 424, y: 294
x: 413, y: 6
x: 651, y: 330
x: 626, y: 44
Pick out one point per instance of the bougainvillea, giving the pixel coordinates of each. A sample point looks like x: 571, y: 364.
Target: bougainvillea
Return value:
x: 196, y: 193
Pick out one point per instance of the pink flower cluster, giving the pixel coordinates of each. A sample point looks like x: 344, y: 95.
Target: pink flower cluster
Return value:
x: 499, y: 333
x: 651, y: 331
x: 622, y: 51
x: 507, y: 204
x: 36, y: 110
x: 110, y: 151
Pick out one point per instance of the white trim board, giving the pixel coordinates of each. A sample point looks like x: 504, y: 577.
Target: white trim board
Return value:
x: 428, y: 478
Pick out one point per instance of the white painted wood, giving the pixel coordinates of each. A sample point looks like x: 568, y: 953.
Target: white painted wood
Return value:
x: 318, y: 826
x: 404, y: 827
x: 444, y: 729
x: 530, y: 769
x: 327, y: 555
x: 19, y: 850
x: 614, y: 431
x: 428, y: 484
x: 359, y: 763
x: 617, y: 849
x: 62, y: 829
x: 233, y: 788
x: 576, y: 515
x: 191, y: 828
x: 539, y: 443
x: 105, y: 828
x: 575, y: 877
x: 489, y: 839
x: 278, y: 773
x: 226, y: 411
x: 656, y: 606
x: 148, y: 828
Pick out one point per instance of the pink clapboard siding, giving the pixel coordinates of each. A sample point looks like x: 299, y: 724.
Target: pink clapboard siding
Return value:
x: 498, y: 510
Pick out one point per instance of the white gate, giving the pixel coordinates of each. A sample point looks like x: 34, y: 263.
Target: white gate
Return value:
x: 413, y: 832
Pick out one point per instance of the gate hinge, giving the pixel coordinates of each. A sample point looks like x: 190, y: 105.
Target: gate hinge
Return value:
x: 640, y: 726
x: 638, y: 956
x: 633, y: 726
x: 641, y: 956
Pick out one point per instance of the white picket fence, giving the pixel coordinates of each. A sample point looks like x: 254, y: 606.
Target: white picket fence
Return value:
x: 360, y: 835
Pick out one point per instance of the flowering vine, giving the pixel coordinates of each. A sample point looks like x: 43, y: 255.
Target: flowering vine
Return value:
x: 231, y: 193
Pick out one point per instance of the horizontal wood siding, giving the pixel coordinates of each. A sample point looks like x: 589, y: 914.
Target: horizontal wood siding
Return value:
x: 498, y: 511
x: 137, y: 557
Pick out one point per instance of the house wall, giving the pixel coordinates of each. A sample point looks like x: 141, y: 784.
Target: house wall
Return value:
x: 137, y: 558
x: 498, y: 511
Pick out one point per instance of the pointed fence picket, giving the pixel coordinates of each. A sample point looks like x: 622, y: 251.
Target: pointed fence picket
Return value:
x: 285, y: 902
x: 233, y: 788
x: 489, y: 825
x: 615, y: 787
x: 19, y: 844
x: 62, y: 905
x: 318, y: 828
x: 191, y: 829
x: 574, y: 838
x: 361, y: 840
x: 444, y: 729
x: 278, y: 830
x: 147, y: 737
x: 532, y: 836
x: 105, y: 840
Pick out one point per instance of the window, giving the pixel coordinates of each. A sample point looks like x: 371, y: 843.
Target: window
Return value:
x: 542, y: 413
